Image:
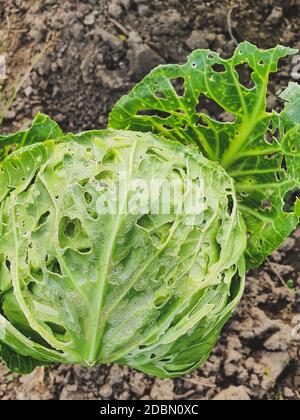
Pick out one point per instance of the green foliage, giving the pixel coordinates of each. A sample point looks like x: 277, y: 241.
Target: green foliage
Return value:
x: 127, y: 287
x: 252, y: 148
x: 85, y: 280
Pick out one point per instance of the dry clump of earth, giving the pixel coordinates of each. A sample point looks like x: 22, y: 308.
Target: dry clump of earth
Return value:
x: 78, y: 59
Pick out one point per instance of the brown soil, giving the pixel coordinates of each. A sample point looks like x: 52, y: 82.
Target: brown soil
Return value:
x: 92, y: 53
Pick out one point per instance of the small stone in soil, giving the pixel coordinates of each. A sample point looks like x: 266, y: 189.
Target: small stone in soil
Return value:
x: 196, y: 40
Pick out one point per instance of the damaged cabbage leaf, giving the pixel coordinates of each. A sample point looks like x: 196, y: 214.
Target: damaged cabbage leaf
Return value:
x: 78, y: 284
x: 42, y: 129
x: 242, y: 134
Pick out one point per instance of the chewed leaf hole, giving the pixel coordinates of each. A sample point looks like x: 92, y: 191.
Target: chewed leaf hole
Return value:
x: 271, y: 156
x: 58, y: 330
x: 55, y: 267
x: 110, y: 157
x: 272, y: 134
x: 160, y: 95
x: 85, y: 250
x: 153, y: 113
x: 104, y: 176
x: 266, y: 205
x: 160, y: 301
x: 88, y: 198
x: 269, y: 139
x: 70, y: 230
x: 161, y: 272
x: 244, y: 72
x: 13, y: 164
x: 218, y: 68
x: 84, y: 182
x: 230, y: 205
x: 93, y: 214
x: 213, y: 110
x: 202, y: 121
x: 145, y: 222
x: 43, y: 219
x: 178, y: 85
x: 290, y: 199
x: 8, y: 264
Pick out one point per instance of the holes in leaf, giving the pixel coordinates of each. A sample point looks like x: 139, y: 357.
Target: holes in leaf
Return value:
x: 230, y: 205
x: 71, y: 233
x: 145, y: 222
x: 160, y: 301
x: 58, y: 166
x: 32, y: 181
x: 269, y: 139
x: 70, y: 230
x: 43, y: 219
x: 170, y: 282
x: 85, y: 250
x: 36, y: 273
x: 271, y: 156
x: 110, y: 157
x: 202, y: 121
x: 283, y: 164
x: 244, y: 72
x: 67, y: 158
x: 84, y: 182
x: 178, y: 85
x: 161, y: 272
x: 93, y: 214
x: 273, y: 133
x: 160, y: 95
x: 8, y: 264
x: 153, y: 113
x: 88, y: 198
x: 213, y: 110
x: 266, y: 205
x: 290, y: 199
x: 56, y: 329
x: 13, y: 164
x: 54, y: 267
x: 218, y: 68
x: 104, y: 175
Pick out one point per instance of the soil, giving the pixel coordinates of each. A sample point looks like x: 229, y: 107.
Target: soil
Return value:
x: 78, y: 58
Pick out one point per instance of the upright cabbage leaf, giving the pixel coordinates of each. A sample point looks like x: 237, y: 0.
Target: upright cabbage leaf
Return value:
x: 149, y: 289
x: 42, y: 128
x: 172, y: 102
x: 20, y: 354
x: 291, y: 141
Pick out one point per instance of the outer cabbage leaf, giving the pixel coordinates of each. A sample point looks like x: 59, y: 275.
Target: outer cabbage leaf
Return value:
x: 17, y: 363
x: 151, y: 290
x: 171, y: 101
x: 291, y: 141
x: 42, y: 128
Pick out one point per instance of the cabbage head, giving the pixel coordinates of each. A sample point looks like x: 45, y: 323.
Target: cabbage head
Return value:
x: 80, y: 284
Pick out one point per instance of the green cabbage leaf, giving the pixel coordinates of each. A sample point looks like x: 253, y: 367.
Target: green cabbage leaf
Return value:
x: 254, y: 145
x: 77, y: 285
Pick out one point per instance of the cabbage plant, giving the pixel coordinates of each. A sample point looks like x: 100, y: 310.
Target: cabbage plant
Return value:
x: 86, y: 280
